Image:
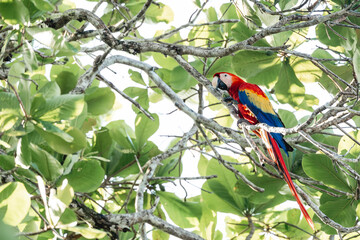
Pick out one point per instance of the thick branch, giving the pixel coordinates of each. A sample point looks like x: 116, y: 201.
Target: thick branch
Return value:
x: 57, y: 21
x: 124, y: 222
x: 133, y: 46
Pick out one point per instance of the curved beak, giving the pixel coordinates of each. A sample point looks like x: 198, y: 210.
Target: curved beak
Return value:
x: 217, y: 83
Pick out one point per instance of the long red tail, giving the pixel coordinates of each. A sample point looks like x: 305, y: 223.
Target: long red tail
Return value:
x: 275, y: 154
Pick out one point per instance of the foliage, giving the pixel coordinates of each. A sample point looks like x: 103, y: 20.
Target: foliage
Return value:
x: 77, y: 163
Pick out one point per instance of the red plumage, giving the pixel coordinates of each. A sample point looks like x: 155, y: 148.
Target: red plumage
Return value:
x: 254, y: 106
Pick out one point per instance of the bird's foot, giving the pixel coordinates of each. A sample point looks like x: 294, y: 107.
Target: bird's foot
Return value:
x: 241, y: 121
x: 229, y: 100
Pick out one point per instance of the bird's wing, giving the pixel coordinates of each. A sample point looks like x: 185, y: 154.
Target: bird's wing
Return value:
x: 260, y: 106
x: 257, y: 102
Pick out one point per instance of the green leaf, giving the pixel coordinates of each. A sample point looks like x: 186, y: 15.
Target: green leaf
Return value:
x: 221, y: 65
x: 309, y: 102
x: 348, y: 146
x: 344, y: 71
x: 265, y: 18
x: 63, y: 107
x: 211, y: 14
x: 222, y: 197
x: 249, y: 15
x: 31, y: 223
x: 7, y: 162
x: 23, y: 154
x: 121, y: 133
x: 327, y: 139
x: 236, y: 229
x: 112, y: 17
x: 288, y: 118
x: 40, y: 79
x: 270, y: 185
x: 15, y: 72
x: 183, y: 214
x: 55, y: 206
x: 8, y: 101
x: 8, y: 118
x: 136, y: 77
x: 86, y: 232
x: 321, y: 53
x: 4, y: 144
x: 281, y: 38
x: 68, y: 49
x: 341, y: 211
x: 58, y: 202
x: 160, y: 13
x: 50, y: 90
x: 202, y: 165
x: 257, y: 67
x: 29, y: 57
x: 331, y: 36
x: 164, y: 61
x: 49, y: 167
x: 286, y: 4
x: 45, y: 36
x: 66, y: 5
x: 320, y: 167
x: 103, y: 142
x: 224, y: 121
x: 14, y: 12
x: 197, y: 3
x: 65, y: 192
x: 68, y: 218
x: 86, y: 176
x: 208, y: 222
x: 66, y: 76
x: 204, y: 36
x: 356, y: 60
x: 68, y: 143
x: 123, y: 163
x: 44, y: 5
x: 170, y: 167
x: 241, y: 31
x: 140, y: 95
x: 54, y: 41
x: 289, y: 89
x: 49, y: 127
x: 15, y: 202
x: 293, y: 216
x: 228, y: 11
x: 99, y: 100
x: 84, y: 122
x: 181, y: 79
x: 159, y: 235
x: 25, y: 94
x: 145, y: 127
x: 306, y: 71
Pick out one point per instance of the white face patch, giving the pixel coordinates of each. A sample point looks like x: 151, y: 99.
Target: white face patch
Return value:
x: 226, y: 78
x: 214, y: 82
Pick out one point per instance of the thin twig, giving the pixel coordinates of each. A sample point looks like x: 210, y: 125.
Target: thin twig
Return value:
x: 183, y: 178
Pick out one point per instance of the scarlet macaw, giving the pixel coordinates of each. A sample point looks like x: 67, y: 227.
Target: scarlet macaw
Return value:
x: 255, y: 107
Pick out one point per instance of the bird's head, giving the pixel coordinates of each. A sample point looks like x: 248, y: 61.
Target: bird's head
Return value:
x: 224, y: 80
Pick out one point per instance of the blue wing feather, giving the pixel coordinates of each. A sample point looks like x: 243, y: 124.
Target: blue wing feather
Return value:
x: 269, y: 117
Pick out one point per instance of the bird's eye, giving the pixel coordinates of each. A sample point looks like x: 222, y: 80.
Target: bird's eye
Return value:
x: 225, y: 75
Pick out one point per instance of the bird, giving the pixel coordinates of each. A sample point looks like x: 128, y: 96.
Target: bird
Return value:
x: 255, y: 107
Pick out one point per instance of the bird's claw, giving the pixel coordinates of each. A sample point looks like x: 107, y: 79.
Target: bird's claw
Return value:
x: 241, y: 121
x: 229, y: 100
